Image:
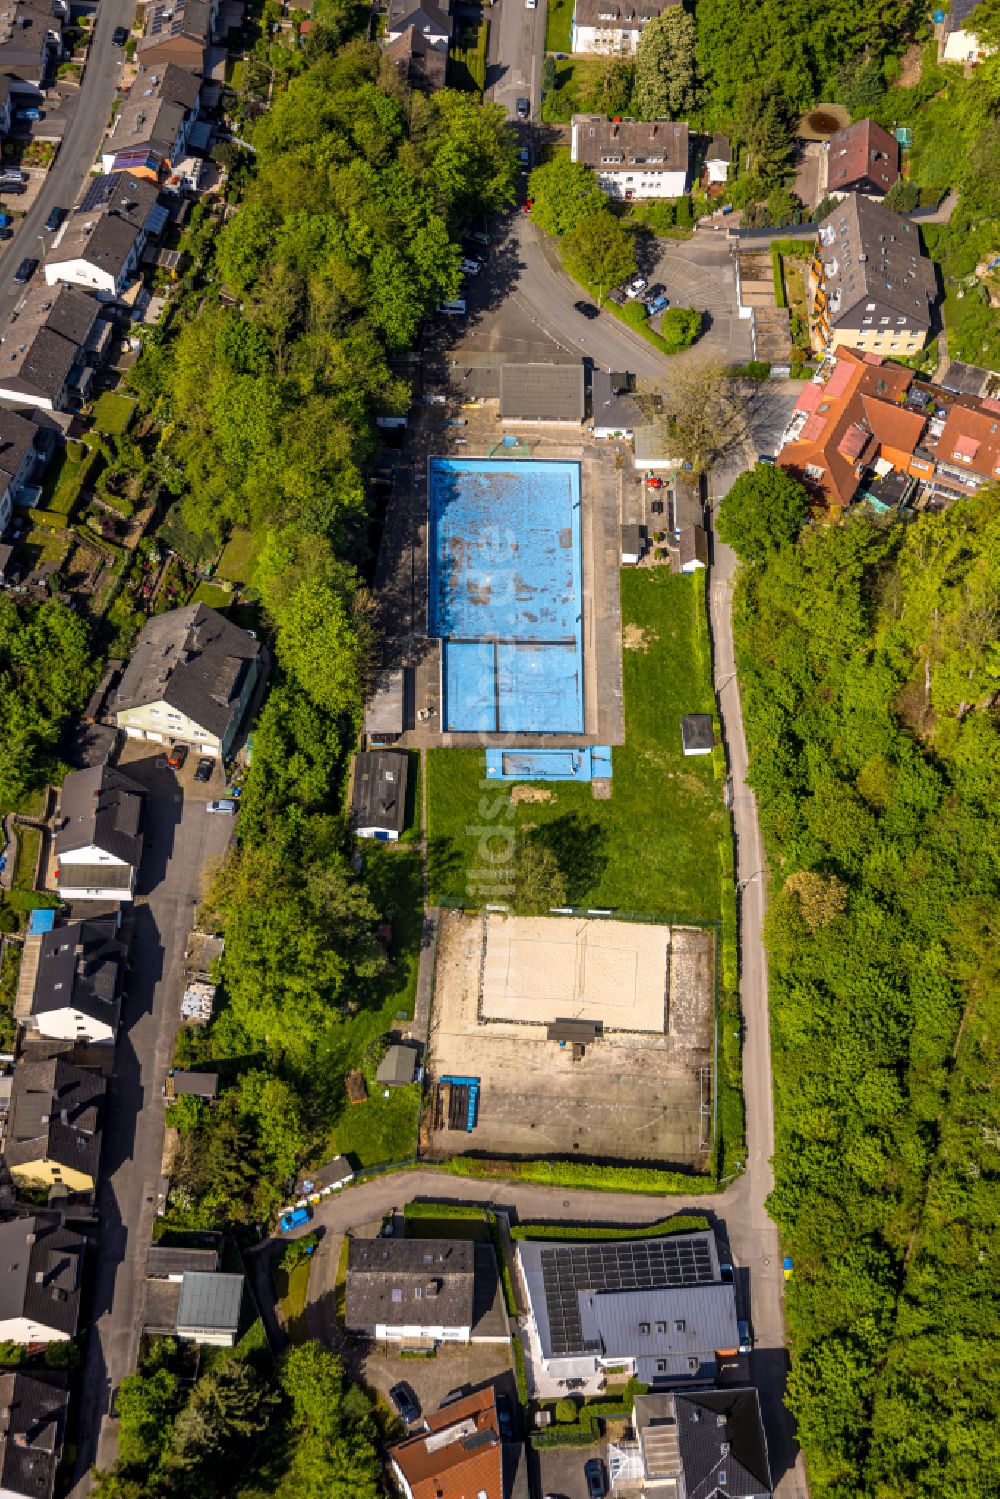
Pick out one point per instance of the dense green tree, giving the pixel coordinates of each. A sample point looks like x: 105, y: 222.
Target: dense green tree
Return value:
x: 764, y: 509
x: 144, y: 1404
x: 763, y: 127
x: 679, y: 327
x: 565, y: 194
x: 665, y: 67
x: 600, y: 252
x: 703, y: 412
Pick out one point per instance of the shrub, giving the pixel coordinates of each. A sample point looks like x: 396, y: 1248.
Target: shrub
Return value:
x: 566, y: 1410
x: 580, y: 1174
x: 681, y: 1223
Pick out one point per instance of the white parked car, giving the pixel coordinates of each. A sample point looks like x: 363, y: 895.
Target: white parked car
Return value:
x: 470, y: 268
x: 636, y: 287
x: 531, y: 4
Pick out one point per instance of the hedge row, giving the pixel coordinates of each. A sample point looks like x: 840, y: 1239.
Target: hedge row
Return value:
x: 520, y: 1377
x: 681, y: 1223
x: 779, y: 277
x: 442, y: 1210
x: 586, y: 1430
x: 643, y: 1179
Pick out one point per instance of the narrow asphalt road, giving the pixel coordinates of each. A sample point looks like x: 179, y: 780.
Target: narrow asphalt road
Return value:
x: 514, y: 55
x: 87, y: 118
x: 181, y: 842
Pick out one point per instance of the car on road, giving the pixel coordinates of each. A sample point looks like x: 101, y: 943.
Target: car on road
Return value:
x: 405, y: 1402
x: 55, y: 218
x: 288, y: 1222
x: 523, y: 108
x: 745, y: 1335
x: 204, y: 768
x: 531, y: 4
x: 587, y: 310
x: 505, y: 1420
x: 25, y: 271
x: 176, y: 756
x: 120, y: 36
x: 636, y: 287
x: 597, y: 1483
x: 224, y: 808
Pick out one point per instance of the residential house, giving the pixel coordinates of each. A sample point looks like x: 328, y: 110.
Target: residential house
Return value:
x: 613, y: 26
x: 708, y: 1444
x: 51, y: 349
x: 31, y: 44
x: 460, y: 1454
x: 543, y: 392
x: 320, y: 1181
x: 187, y: 1297
x: 851, y: 428
x: 421, y: 59
x: 410, y: 1290
x: 152, y: 129
x: 378, y: 800
x: 615, y: 411
x: 26, y: 444
x: 862, y: 158
x: 54, y: 1134
x: 633, y: 158
x: 655, y: 1307
x: 718, y: 158
x: 959, y: 43
x: 178, y: 31
x: 101, y: 242
x: 32, y: 1426
x: 967, y: 450
x: 633, y: 545
x: 687, y: 502
x: 98, y: 839
x: 431, y: 22
x: 78, y: 982
x: 398, y: 1067
x: 40, y: 1286
x: 871, y: 287
x: 190, y: 680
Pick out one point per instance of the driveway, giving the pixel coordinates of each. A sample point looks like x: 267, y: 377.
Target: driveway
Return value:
x: 699, y: 273
x: 86, y: 118
x: 181, y: 841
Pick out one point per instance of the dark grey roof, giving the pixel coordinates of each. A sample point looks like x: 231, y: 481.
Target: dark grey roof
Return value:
x: 167, y: 81
x: 105, y: 224
x: 959, y: 12
x: 101, y: 806
x: 722, y: 1444
x: 633, y: 540
x: 70, y: 312
x: 191, y: 18
x: 409, y: 1282
x: 421, y: 63
x: 39, y: 369
x: 193, y: 659
x: 198, y: 1084
x: 542, y: 392
x: 689, y: 508
x: 80, y: 966
x: 697, y: 731
x: 871, y: 254
x: 557, y: 1275
x: 209, y: 1302
x: 32, y: 1422
x: 693, y: 545
x: 421, y: 16
x: 96, y: 877
x: 619, y: 145
x: 17, y: 439
x: 42, y: 1266
x: 398, y: 1066
x: 613, y: 404
x: 55, y: 1113
x: 130, y: 197
x: 330, y: 1174
x: 628, y: 15
x: 163, y: 1260
x: 379, y: 797
x: 672, y: 1332
x: 719, y: 148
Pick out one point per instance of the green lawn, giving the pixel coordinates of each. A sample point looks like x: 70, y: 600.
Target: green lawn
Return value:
x: 654, y: 847
x: 236, y: 68
x: 236, y: 562
x: 113, y: 413
x: 72, y: 466
x: 577, y: 83
x: 28, y: 844
x: 558, y: 24
x: 211, y: 594
x: 383, y: 1129
x: 291, y: 1287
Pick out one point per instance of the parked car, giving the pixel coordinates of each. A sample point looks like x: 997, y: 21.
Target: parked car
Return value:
x: 529, y: 204
x: 455, y: 308
x: 470, y: 267
x: 28, y: 114
x: 25, y: 271
x: 479, y: 236
x: 176, y: 756
x: 6, y: 233
x: 597, y: 1483
x: 587, y: 310
x: 523, y: 108
x: 224, y: 808
x: 658, y: 304
x: 295, y: 1219
x: 635, y: 287
x: 204, y: 768
x: 726, y: 1274
x: 55, y: 218
x: 120, y: 36
x: 524, y: 156
x: 745, y: 1335
x: 405, y: 1402
x: 505, y: 1420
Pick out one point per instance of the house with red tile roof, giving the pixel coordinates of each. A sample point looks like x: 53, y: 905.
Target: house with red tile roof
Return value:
x: 461, y: 1455
x: 862, y: 158
x: 967, y: 452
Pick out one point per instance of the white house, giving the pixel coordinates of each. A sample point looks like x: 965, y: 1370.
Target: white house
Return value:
x: 633, y: 158
x: 613, y: 26
x: 189, y: 681
x: 78, y: 983
x: 99, y: 836
x: 101, y: 242
x: 40, y: 1286
x: 718, y: 158
x: 959, y: 44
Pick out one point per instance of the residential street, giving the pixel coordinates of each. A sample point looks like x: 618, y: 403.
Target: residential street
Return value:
x: 181, y: 842
x: 88, y: 116
x: 514, y: 54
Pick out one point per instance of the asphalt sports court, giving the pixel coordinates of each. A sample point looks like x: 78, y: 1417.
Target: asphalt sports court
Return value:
x: 505, y: 594
x: 541, y: 969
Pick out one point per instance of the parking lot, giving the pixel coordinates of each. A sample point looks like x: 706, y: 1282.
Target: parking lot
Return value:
x: 560, y: 1470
